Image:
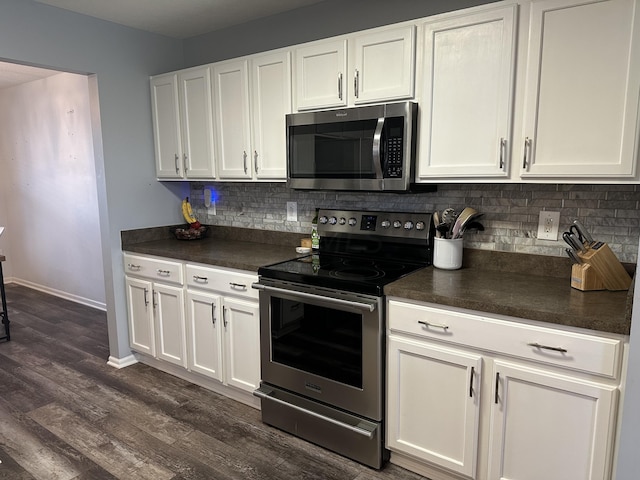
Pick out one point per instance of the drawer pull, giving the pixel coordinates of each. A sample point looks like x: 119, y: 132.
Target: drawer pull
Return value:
x: 133, y: 267
x: 434, y: 325
x: 546, y: 347
x: 237, y: 285
x: 197, y: 278
x: 164, y: 272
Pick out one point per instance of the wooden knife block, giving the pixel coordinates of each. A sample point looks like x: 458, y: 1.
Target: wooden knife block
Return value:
x: 584, y: 277
x: 606, y: 266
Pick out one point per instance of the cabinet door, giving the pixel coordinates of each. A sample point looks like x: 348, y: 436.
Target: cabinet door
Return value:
x: 549, y: 426
x: 233, y: 138
x: 433, y: 403
x: 166, y: 126
x: 467, y: 82
x: 168, y: 303
x: 384, y: 65
x: 242, y: 343
x: 140, y: 315
x: 271, y: 101
x: 582, y: 87
x: 204, y: 334
x: 196, y: 111
x: 320, y: 75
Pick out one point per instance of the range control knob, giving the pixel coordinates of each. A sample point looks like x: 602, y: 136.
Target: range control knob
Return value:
x: 323, y: 219
x: 352, y: 222
x: 408, y: 225
x: 333, y: 221
x: 385, y: 224
x: 342, y: 221
x: 397, y: 224
x: 420, y: 225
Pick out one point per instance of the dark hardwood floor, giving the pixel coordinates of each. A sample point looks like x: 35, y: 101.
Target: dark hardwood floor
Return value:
x: 65, y: 414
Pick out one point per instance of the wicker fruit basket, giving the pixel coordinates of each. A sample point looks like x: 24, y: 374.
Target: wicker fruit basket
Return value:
x: 189, y: 233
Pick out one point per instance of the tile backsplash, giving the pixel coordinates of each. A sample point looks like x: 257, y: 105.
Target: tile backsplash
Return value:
x: 511, y: 211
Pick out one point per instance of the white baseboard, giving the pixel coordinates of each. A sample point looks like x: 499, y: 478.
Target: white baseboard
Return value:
x: 58, y: 293
x: 122, y: 362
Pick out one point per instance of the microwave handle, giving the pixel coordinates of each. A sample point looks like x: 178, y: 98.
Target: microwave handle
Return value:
x: 377, y: 148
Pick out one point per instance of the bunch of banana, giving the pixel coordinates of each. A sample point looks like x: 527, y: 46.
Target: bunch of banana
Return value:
x: 187, y: 213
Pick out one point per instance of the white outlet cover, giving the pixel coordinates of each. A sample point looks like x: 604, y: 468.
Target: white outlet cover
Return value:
x: 548, y: 225
x: 292, y: 212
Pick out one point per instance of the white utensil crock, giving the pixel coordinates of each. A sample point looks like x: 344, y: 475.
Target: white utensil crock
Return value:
x: 447, y: 253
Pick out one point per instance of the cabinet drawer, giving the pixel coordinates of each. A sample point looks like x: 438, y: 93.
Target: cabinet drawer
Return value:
x: 594, y: 354
x: 153, y: 268
x: 228, y: 282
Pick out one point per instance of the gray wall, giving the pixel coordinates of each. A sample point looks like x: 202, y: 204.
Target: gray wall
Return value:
x: 321, y: 20
x: 122, y: 60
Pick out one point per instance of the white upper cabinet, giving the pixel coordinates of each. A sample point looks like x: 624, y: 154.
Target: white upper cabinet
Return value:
x: 581, y: 90
x: 271, y: 101
x: 183, y: 124
x: 375, y: 66
x: 467, y: 82
x: 196, y: 114
x: 166, y: 126
x: 252, y: 97
x: 231, y: 87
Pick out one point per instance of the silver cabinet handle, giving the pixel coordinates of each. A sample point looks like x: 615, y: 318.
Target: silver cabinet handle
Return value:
x: 186, y: 162
x: 244, y: 160
x: 146, y: 299
x: 546, y: 347
x: 473, y: 371
x: 131, y: 266
x: 434, y: 325
x: 197, y: 278
x: 356, y: 83
x: 527, y: 151
x: 496, y: 399
x: 224, y: 316
x: 255, y: 160
x: 164, y: 272
x: 154, y: 297
x: 340, y: 86
x: 213, y: 313
x: 177, y: 166
x: 237, y: 285
x: 503, y: 148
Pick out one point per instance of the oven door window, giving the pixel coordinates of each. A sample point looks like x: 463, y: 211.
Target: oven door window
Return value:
x: 323, y: 341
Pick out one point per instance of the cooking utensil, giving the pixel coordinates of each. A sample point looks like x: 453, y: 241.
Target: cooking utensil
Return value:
x: 465, y: 216
x: 573, y: 256
x: 436, y: 222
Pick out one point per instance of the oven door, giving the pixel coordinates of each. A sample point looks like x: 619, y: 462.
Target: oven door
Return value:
x: 324, y: 345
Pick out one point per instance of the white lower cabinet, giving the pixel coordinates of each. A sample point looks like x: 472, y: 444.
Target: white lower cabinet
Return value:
x: 207, y: 323
x: 156, y: 309
x: 223, y: 326
x: 549, y: 426
x: 472, y: 396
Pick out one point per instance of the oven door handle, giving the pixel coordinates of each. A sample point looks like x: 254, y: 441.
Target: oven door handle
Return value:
x: 266, y: 396
x: 335, y: 301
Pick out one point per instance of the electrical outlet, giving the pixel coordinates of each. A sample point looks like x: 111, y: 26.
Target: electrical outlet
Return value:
x: 211, y: 209
x: 548, y: 225
x: 292, y: 212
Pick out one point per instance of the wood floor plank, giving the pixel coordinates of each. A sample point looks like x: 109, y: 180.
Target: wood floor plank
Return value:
x: 114, y: 456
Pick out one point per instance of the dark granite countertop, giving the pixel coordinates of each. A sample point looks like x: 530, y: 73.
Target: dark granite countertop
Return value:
x: 532, y: 287
x: 547, y: 299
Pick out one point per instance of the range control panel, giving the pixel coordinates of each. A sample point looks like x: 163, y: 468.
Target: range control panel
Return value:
x: 386, y: 224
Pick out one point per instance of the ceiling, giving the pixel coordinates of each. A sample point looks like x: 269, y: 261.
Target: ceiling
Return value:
x: 179, y: 18
x: 173, y: 18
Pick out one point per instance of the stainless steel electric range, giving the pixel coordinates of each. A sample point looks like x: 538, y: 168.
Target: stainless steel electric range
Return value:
x: 322, y: 329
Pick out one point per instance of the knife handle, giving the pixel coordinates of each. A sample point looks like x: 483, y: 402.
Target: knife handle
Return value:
x: 583, y: 231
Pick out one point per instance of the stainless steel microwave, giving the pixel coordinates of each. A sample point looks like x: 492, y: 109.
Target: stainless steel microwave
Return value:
x: 368, y: 148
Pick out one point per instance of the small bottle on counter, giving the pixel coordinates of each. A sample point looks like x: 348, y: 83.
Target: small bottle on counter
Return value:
x: 315, y: 237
